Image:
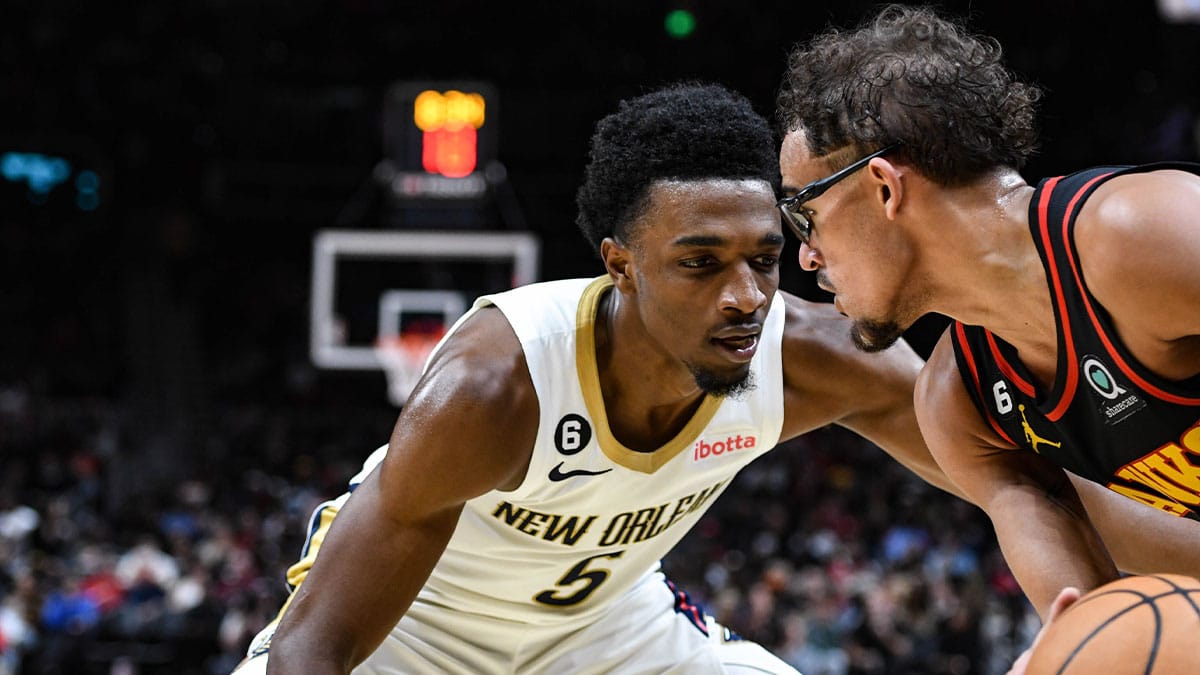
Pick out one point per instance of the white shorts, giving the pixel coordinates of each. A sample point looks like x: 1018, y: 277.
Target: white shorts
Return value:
x: 653, y: 629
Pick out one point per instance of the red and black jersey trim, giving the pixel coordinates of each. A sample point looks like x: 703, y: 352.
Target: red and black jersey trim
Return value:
x: 964, y: 349
x: 1005, y: 367
x: 1067, y: 393
x: 1072, y: 262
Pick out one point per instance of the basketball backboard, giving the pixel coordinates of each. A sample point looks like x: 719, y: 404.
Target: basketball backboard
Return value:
x: 372, y: 288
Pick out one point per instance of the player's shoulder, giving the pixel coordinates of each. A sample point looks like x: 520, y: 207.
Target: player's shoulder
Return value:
x: 1150, y: 214
x: 474, y: 413
x: 817, y: 347
x: 945, y: 411
x: 481, y: 361
x: 939, y: 379
x: 1136, y: 204
x: 475, y: 403
x: 813, y: 324
x: 829, y: 380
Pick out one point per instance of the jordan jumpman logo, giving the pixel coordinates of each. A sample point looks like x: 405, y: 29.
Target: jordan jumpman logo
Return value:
x: 1031, y: 436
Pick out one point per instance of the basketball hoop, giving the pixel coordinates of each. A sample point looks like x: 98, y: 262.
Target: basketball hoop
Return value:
x: 403, y: 359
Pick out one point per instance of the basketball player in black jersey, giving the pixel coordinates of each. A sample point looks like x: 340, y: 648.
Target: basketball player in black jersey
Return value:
x: 679, y: 200
x: 1076, y: 301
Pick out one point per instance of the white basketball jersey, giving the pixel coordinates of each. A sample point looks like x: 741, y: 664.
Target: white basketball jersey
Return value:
x: 592, y: 517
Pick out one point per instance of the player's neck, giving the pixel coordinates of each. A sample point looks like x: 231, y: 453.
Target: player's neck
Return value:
x: 981, y: 262
x: 648, y: 395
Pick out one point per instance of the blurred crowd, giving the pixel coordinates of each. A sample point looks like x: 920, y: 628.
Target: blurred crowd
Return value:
x: 843, y: 562
x: 102, y: 575
x: 824, y: 550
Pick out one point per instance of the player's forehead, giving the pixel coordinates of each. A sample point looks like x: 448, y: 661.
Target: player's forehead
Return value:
x: 686, y: 208
x: 797, y: 163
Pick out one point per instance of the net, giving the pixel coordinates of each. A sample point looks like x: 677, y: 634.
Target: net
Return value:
x: 403, y: 359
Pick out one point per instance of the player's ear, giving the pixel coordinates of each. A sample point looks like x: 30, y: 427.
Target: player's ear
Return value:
x: 618, y: 260
x: 889, y: 185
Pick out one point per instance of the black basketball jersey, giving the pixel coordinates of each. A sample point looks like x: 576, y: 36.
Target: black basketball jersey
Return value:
x: 1107, y: 418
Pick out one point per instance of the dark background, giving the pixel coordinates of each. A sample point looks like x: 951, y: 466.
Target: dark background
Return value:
x: 228, y: 133
x: 165, y: 331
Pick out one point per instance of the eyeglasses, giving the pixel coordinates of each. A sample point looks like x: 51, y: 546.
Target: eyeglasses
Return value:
x: 797, y: 216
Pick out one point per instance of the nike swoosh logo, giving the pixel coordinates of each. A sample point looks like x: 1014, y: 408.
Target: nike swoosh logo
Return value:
x: 557, y: 474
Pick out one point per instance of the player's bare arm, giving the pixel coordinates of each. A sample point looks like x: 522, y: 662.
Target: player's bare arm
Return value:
x: 1138, y: 247
x: 822, y: 388
x: 468, y: 428
x: 1040, y: 522
x: 1140, y: 538
x: 827, y: 380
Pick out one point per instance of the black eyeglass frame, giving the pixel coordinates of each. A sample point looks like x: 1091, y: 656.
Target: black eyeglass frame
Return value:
x: 798, y: 218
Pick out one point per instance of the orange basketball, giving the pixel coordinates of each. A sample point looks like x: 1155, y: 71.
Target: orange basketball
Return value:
x: 1143, y: 625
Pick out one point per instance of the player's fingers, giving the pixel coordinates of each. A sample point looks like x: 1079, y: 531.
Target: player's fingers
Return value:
x: 1066, y: 598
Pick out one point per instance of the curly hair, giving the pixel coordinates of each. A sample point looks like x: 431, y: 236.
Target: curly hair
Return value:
x: 684, y: 131
x: 911, y: 76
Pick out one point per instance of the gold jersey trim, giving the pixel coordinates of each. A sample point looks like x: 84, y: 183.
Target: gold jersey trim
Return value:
x: 589, y: 381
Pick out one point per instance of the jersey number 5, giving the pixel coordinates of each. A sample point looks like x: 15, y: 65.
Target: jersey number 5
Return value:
x: 591, y: 579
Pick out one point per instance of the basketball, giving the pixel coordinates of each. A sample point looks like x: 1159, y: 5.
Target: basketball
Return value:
x: 1148, y: 625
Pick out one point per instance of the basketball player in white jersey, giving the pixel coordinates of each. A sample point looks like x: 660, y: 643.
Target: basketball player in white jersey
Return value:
x: 565, y: 435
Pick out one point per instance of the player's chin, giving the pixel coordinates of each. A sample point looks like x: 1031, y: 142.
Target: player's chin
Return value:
x: 724, y: 381
x: 875, y: 336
